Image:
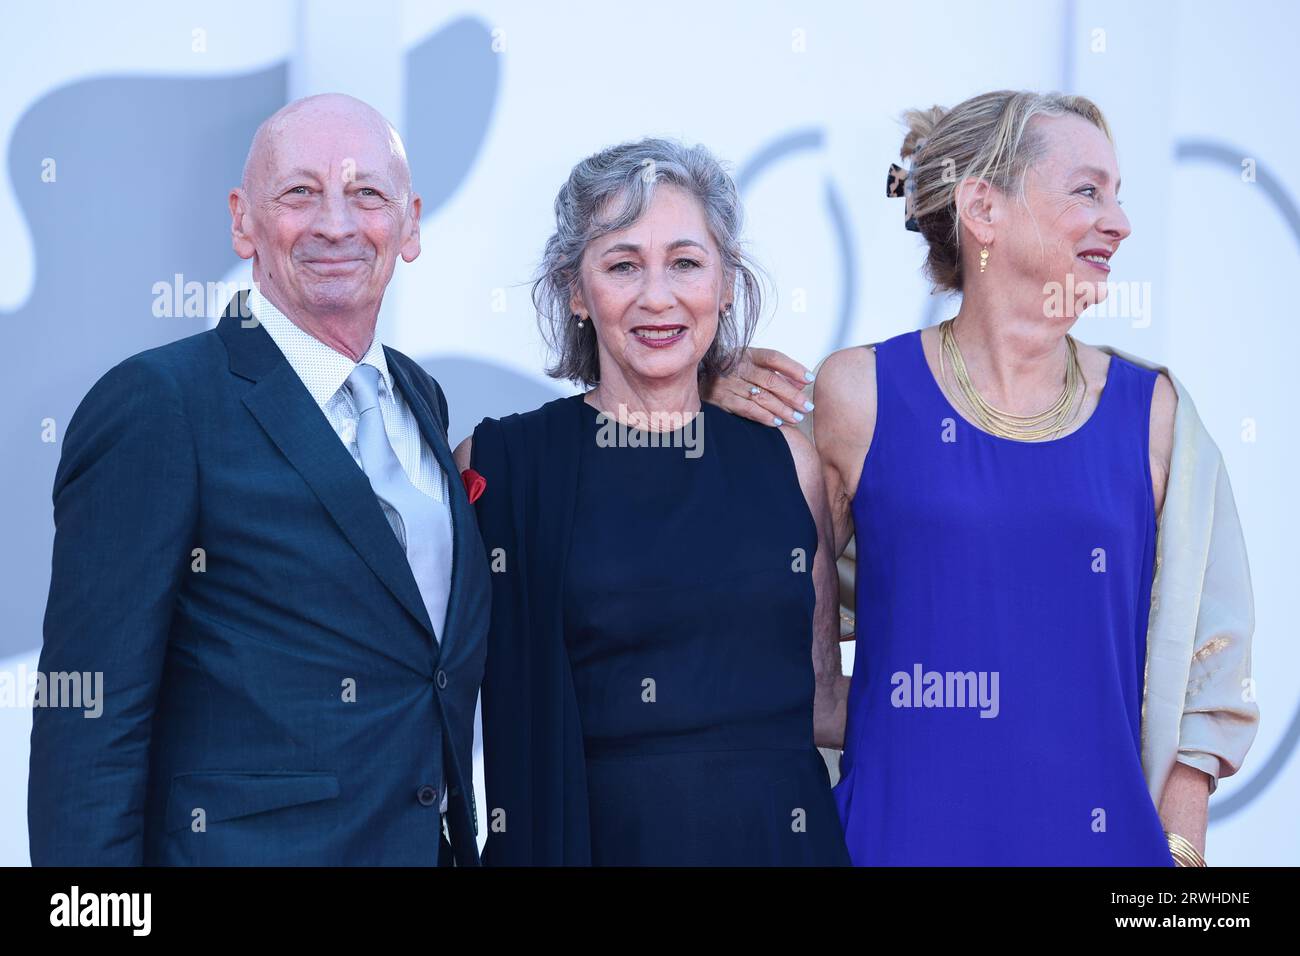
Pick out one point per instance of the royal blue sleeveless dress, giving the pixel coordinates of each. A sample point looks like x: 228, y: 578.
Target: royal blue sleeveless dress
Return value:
x: 1003, y: 589
x: 688, y: 623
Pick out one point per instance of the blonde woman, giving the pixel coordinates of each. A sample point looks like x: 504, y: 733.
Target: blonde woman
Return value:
x: 1018, y: 698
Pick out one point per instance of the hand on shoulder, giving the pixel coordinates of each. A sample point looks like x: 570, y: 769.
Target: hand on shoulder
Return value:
x: 766, y: 386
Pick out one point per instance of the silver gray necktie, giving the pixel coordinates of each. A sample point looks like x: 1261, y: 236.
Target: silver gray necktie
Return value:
x: 422, y: 525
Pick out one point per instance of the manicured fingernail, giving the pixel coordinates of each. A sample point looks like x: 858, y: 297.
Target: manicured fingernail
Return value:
x: 808, y: 406
x: 777, y: 422
x: 808, y: 376
x: 798, y: 417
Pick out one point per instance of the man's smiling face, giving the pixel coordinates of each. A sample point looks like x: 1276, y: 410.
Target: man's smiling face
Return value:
x: 325, y: 208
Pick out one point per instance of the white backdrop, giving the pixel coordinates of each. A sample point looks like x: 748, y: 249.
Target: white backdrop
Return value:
x: 497, y: 101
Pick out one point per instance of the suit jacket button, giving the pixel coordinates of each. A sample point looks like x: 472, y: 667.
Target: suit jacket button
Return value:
x: 442, y: 679
x: 427, y: 795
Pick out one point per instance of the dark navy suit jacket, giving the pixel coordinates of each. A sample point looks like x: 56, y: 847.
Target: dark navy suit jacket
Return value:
x: 227, y: 734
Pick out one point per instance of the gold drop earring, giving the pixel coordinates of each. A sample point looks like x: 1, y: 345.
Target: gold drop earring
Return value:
x: 984, y: 258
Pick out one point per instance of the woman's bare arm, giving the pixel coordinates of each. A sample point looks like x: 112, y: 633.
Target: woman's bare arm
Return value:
x: 1164, y: 406
x: 830, y: 697
x: 462, y: 453
x: 843, y: 425
x: 1185, y: 804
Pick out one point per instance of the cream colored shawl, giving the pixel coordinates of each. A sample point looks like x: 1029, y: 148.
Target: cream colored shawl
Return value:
x: 1198, y: 703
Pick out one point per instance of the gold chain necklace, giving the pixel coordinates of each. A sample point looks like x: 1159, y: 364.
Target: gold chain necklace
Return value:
x: 1046, y: 424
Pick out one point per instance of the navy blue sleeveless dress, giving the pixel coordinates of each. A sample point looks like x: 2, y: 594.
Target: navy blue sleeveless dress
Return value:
x: 1003, y: 590
x: 688, y: 622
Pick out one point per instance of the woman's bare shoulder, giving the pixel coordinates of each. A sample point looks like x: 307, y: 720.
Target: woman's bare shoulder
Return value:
x: 846, y: 384
x: 845, y: 417
x: 848, y: 363
x: 801, y: 450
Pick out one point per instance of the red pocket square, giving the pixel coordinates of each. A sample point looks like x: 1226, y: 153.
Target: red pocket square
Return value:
x: 475, y: 484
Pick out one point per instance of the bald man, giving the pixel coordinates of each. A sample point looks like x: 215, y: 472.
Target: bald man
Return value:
x: 263, y: 546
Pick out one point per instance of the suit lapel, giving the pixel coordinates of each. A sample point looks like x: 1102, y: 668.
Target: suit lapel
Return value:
x: 463, y: 522
x: 281, y: 404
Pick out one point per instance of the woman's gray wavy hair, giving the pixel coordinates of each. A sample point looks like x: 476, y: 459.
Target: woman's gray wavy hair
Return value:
x: 610, y: 191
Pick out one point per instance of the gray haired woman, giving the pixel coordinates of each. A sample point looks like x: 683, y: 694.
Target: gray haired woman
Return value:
x: 664, y: 630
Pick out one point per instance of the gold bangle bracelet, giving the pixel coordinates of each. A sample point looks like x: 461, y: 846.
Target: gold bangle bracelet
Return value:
x: 1181, y: 849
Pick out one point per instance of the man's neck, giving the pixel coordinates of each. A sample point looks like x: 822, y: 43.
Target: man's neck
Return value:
x: 348, y: 333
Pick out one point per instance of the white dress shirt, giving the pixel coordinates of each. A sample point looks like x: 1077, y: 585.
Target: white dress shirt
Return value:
x: 325, y: 373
